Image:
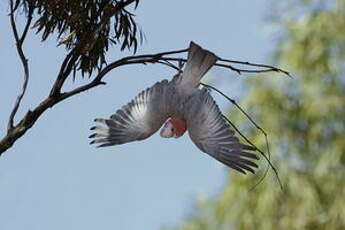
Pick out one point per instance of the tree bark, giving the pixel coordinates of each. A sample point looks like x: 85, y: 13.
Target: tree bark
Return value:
x: 25, y: 124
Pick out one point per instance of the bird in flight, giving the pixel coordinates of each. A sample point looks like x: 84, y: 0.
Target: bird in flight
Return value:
x: 179, y: 105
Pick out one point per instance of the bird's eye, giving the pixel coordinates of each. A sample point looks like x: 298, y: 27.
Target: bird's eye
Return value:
x: 172, y: 129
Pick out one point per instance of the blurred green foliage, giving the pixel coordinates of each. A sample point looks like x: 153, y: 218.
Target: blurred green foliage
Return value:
x: 305, y: 120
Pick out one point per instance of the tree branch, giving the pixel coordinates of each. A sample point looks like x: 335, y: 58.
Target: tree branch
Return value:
x: 19, y: 45
x: 65, y: 70
x: 140, y: 59
x: 32, y: 116
x: 56, y: 96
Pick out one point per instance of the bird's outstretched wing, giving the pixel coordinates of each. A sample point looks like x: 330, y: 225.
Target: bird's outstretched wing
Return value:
x: 213, y: 135
x: 137, y: 120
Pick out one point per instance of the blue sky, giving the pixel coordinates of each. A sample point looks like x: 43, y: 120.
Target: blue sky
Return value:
x: 53, y: 179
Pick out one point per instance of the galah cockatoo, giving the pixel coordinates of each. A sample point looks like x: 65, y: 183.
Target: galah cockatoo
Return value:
x: 180, y: 105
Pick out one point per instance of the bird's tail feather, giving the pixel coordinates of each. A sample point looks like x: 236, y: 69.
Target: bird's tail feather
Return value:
x: 199, y: 61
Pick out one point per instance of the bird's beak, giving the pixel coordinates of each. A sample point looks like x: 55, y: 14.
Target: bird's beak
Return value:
x: 165, y: 133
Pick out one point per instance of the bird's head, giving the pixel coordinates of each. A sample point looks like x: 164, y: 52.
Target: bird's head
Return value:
x: 174, y: 127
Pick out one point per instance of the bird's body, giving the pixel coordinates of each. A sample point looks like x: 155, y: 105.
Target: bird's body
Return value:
x: 181, y: 105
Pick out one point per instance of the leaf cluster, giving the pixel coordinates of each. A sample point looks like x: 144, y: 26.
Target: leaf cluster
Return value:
x: 86, y: 27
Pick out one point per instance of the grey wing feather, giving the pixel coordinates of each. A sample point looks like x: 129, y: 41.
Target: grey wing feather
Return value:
x: 213, y: 135
x: 137, y: 120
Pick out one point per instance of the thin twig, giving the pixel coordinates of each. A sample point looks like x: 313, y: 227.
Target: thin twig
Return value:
x: 257, y: 149
x: 236, y: 69
x: 167, y: 63
x: 19, y: 44
x: 254, y: 123
x: 266, y: 170
x: 239, y: 107
x: 269, y: 68
x: 27, y: 26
